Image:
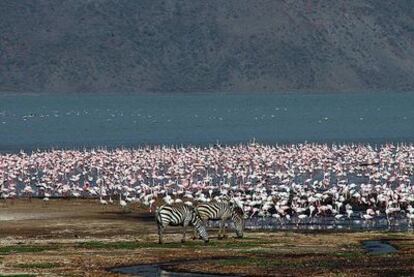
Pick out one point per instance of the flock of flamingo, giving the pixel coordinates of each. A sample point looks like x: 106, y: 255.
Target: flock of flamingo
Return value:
x: 294, y: 183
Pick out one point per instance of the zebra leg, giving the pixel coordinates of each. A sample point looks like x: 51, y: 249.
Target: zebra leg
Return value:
x: 224, y: 231
x: 196, y: 235
x: 220, y: 229
x: 184, y: 231
x: 160, y: 231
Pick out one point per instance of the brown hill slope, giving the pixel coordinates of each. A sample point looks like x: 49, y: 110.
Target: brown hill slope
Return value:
x: 234, y: 45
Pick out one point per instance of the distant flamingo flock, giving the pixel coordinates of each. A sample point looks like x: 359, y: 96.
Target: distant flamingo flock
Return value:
x: 296, y: 182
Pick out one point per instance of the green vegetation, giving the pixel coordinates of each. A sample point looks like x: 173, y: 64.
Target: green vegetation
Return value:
x: 24, y: 249
x: 124, y: 245
x: 17, y: 275
x: 37, y: 265
x: 188, y: 244
x: 350, y: 255
x: 251, y: 261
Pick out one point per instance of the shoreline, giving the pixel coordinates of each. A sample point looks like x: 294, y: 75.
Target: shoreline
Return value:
x: 132, y: 146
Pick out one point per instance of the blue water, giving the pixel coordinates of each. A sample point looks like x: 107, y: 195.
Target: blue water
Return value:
x: 378, y: 247
x: 32, y: 121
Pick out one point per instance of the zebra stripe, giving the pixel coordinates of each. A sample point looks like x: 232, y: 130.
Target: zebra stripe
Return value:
x: 179, y: 215
x: 222, y: 211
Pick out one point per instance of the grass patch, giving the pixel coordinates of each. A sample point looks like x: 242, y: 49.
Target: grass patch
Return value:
x: 107, y: 245
x: 17, y: 275
x: 128, y: 245
x: 349, y: 255
x: 251, y: 261
x: 37, y: 266
x: 238, y: 243
x: 23, y: 249
x: 189, y: 244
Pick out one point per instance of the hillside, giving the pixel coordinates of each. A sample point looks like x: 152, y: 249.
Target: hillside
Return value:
x: 182, y: 46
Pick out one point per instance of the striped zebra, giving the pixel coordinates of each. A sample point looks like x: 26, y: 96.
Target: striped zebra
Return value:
x: 179, y: 215
x: 222, y: 211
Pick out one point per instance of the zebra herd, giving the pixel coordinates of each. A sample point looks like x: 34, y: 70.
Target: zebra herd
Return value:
x: 184, y: 215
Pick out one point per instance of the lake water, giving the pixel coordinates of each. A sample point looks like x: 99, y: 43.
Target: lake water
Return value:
x: 43, y: 121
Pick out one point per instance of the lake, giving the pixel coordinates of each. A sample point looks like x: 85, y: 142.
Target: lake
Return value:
x: 76, y: 121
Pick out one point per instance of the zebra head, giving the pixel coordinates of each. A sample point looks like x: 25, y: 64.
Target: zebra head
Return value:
x: 238, y: 219
x: 199, y: 226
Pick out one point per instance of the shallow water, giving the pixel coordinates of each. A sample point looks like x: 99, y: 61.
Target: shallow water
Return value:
x: 155, y: 270
x: 44, y: 121
x: 378, y: 247
x: 324, y: 223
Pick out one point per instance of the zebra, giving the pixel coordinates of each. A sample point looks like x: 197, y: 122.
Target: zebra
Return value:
x: 182, y: 215
x: 222, y: 211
